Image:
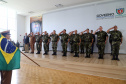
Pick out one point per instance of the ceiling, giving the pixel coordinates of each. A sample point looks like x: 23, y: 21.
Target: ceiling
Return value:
x: 23, y: 7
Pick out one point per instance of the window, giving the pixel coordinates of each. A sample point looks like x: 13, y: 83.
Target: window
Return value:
x: 8, y: 21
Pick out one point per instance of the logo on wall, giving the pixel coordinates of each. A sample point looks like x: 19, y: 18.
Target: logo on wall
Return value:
x: 105, y: 16
x: 120, y: 13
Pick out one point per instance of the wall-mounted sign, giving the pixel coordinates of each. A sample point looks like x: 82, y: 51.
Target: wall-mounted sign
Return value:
x: 120, y: 13
x: 105, y: 16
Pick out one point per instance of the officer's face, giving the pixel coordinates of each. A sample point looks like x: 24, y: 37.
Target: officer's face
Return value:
x: 45, y: 32
x: 91, y: 31
x: 87, y: 30
x: 54, y: 32
x: 64, y: 31
x: 7, y: 36
x: 38, y: 33
x: 25, y: 34
x: 115, y: 28
x: 75, y: 31
x: 31, y: 33
x: 100, y: 28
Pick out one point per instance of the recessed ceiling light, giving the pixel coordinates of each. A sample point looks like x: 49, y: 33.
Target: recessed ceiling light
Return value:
x: 2, y: 2
x: 59, y: 5
x: 30, y: 12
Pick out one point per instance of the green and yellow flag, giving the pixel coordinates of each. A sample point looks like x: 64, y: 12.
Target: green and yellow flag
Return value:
x: 9, y: 55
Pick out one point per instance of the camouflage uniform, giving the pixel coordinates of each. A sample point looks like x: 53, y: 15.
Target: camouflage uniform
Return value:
x: 48, y: 43
x: 71, y: 43
x: 101, y: 38
x: 88, y: 40
x: 45, y: 39
x: 110, y: 41
x: 76, y: 40
x: 82, y: 43
x: 54, y: 39
x: 64, y: 40
x: 38, y: 42
x: 116, y: 37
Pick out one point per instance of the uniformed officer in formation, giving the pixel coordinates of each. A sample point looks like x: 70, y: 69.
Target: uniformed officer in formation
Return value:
x: 38, y: 40
x: 82, y: 43
x: 76, y: 43
x: 71, y: 41
x: 32, y: 42
x: 102, y: 37
x: 45, y: 40
x: 88, y: 40
x: 84, y: 40
x: 116, y: 37
x: 54, y: 39
x: 49, y: 41
x: 64, y: 41
x: 92, y: 47
x: 110, y: 41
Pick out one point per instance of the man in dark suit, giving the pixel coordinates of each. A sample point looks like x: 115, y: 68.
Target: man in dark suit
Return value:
x: 26, y: 41
x: 92, y: 48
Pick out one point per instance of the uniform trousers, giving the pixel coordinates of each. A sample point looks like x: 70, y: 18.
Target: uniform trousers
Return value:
x: 27, y: 48
x: 6, y: 77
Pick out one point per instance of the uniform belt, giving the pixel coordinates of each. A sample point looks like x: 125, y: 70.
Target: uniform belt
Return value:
x: 87, y: 41
x: 76, y: 41
x: 115, y: 40
x: 101, y: 41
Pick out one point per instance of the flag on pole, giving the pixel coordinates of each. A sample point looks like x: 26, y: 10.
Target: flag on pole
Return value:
x: 9, y: 55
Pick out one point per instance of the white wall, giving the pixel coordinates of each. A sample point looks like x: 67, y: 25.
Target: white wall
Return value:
x: 84, y: 17
x: 20, y: 28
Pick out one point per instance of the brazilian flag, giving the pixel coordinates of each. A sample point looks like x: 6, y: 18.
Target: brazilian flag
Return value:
x: 9, y: 55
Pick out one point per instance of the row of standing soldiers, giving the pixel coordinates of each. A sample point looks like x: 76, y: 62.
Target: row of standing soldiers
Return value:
x: 83, y: 40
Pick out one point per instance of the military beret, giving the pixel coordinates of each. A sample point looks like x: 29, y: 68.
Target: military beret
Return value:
x: 4, y: 33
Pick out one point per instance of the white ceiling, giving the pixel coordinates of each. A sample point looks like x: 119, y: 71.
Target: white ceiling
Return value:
x: 24, y: 6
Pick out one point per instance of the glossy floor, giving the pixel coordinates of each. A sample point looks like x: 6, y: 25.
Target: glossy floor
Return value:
x: 70, y: 70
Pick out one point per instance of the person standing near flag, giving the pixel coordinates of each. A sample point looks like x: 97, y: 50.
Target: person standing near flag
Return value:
x: 26, y: 40
x: 32, y: 42
x: 117, y: 38
x: 5, y: 74
x: 38, y: 40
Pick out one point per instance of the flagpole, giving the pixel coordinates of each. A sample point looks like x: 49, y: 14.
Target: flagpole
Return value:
x: 30, y: 59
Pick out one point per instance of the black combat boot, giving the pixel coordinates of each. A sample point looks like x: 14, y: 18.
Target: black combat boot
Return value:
x: 89, y: 56
x: 44, y: 53
x: 64, y: 54
x: 38, y: 52
x: 76, y: 55
x: 99, y: 56
x: 71, y: 51
x: 82, y: 51
x: 117, y: 57
x: 113, y: 57
x: 86, y: 56
x: 54, y: 53
x: 102, y: 56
